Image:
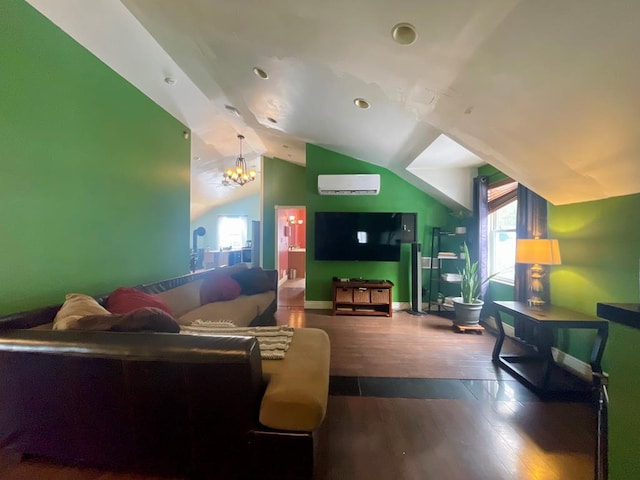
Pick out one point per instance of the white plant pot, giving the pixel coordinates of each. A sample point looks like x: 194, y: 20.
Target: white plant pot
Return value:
x: 467, y: 313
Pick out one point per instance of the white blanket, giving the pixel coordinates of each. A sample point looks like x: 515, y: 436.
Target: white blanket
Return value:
x: 273, y: 341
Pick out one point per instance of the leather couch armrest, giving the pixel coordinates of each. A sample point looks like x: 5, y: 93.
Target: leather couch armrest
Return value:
x: 135, y: 346
x: 111, y: 398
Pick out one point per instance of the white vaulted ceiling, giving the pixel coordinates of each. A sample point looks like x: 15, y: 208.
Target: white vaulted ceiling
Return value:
x: 545, y: 90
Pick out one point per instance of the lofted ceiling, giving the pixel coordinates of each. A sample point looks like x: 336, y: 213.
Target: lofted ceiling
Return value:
x: 545, y: 90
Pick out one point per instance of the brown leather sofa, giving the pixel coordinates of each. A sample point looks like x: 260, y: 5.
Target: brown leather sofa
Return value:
x: 163, y: 403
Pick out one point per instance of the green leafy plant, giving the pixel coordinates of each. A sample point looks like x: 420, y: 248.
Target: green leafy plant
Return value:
x: 470, y: 284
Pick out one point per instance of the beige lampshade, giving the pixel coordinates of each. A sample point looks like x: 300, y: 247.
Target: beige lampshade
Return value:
x: 544, y: 251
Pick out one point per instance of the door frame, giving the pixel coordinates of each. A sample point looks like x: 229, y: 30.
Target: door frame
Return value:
x: 279, y: 236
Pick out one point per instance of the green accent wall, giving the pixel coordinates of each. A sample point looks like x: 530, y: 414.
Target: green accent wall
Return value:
x: 94, y: 176
x: 283, y: 183
x: 396, y: 195
x: 600, y: 248
x: 624, y: 392
x: 249, y: 206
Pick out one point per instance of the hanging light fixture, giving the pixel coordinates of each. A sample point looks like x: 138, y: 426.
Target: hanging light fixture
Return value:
x: 240, y: 174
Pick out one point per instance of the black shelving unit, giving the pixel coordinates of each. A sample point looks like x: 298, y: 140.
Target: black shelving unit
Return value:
x: 439, y: 240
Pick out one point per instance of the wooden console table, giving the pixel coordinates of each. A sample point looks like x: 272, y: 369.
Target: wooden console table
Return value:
x: 537, y: 369
x: 362, y: 297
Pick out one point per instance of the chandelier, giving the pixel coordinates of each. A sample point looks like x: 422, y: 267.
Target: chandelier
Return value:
x: 240, y: 174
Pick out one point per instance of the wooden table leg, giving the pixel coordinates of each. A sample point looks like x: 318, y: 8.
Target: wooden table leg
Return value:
x: 500, y: 339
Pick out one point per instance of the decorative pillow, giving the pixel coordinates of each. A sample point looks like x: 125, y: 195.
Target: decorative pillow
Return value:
x: 143, y: 319
x: 252, y: 281
x: 146, y: 318
x: 218, y: 288
x: 75, y: 306
x: 127, y: 299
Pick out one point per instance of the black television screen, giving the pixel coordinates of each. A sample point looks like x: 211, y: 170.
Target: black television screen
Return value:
x: 360, y: 236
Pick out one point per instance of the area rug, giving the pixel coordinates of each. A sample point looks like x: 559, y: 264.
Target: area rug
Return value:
x: 273, y: 341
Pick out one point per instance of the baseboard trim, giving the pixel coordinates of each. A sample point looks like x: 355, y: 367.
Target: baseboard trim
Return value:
x: 574, y: 365
x: 318, y: 305
x: 325, y: 305
x: 397, y: 306
x: 568, y: 362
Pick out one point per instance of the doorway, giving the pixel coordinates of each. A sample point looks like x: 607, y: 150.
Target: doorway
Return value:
x: 291, y: 246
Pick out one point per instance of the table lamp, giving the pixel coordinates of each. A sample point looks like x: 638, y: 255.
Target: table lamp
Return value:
x: 537, y: 252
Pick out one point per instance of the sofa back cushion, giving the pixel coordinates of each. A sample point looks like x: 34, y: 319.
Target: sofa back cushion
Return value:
x: 184, y: 298
x: 253, y: 280
x: 231, y: 269
x: 219, y: 288
x: 127, y: 299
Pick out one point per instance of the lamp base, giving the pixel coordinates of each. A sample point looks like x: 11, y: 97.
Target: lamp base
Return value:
x: 536, y: 302
x: 537, y: 273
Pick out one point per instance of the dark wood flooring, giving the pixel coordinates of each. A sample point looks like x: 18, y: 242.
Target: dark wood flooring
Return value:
x: 473, y: 421
x: 411, y: 399
x: 291, y: 294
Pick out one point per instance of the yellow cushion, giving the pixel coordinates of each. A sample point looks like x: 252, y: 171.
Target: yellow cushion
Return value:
x: 298, y: 386
x: 76, y: 306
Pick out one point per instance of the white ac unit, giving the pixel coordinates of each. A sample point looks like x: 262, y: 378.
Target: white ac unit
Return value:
x: 357, y: 184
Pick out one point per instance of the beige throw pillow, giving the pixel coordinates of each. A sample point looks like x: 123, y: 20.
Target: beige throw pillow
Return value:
x: 76, y: 306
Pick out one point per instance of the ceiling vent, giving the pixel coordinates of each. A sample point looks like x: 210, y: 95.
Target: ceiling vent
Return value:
x: 357, y: 184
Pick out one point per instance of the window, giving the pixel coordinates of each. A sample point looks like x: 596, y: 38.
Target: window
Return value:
x: 232, y: 231
x: 503, y: 206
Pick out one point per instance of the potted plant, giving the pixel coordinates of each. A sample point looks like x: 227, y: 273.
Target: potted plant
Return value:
x: 468, y: 305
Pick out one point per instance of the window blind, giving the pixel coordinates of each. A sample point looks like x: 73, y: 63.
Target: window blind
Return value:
x: 501, y: 193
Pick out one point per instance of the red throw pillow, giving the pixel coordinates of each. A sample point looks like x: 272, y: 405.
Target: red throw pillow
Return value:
x: 127, y: 299
x: 218, y: 288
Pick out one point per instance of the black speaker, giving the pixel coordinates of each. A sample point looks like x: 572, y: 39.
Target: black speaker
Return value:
x: 416, y: 280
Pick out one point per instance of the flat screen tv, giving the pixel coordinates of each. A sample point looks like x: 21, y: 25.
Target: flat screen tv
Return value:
x: 361, y: 236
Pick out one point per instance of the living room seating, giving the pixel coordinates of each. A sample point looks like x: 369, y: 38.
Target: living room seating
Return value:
x: 177, y: 404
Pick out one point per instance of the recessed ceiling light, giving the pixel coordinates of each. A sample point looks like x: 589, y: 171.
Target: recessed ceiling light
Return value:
x: 232, y: 109
x: 361, y: 103
x: 170, y: 80
x: 260, y: 73
x: 404, y: 33
x: 272, y: 120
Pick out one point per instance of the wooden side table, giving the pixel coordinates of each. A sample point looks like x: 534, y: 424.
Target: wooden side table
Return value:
x: 537, y: 369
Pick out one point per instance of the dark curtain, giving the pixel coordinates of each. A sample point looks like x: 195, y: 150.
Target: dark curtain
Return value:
x: 479, y: 238
x: 531, y: 222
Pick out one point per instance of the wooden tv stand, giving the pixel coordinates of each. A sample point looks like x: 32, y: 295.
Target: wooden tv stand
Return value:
x: 362, y: 297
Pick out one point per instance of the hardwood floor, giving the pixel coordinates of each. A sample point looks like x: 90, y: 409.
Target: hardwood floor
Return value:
x: 291, y: 294
x: 409, y: 439
x: 500, y: 431
x: 402, y: 346
x: 441, y: 410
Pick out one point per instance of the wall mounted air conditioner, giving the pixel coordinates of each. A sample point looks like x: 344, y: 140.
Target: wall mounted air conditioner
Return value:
x: 356, y: 184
